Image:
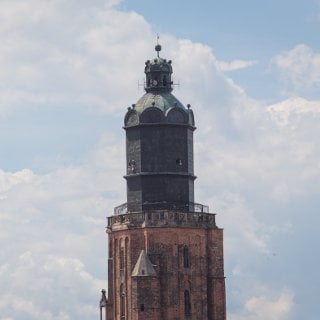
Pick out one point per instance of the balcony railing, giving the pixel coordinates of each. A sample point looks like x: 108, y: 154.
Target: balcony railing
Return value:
x: 161, y: 218
x: 170, y: 206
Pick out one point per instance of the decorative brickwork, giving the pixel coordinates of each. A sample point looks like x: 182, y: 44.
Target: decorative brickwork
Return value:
x: 185, y: 257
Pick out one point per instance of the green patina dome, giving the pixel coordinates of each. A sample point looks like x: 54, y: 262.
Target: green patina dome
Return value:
x: 163, y: 101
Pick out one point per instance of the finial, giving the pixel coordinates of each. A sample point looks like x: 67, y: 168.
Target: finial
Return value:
x: 158, y: 46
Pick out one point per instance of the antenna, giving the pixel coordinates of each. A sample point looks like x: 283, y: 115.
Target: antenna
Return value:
x: 141, y: 84
x: 176, y: 84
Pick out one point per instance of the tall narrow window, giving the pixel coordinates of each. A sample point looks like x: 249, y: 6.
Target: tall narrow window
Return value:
x: 164, y: 81
x: 122, y: 303
x: 186, y: 263
x: 115, y: 267
x: 110, y: 249
x: 187, y: 303
x: 121, y: 259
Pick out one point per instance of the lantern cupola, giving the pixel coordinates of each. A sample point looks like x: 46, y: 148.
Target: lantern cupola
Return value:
x: 158, y: 73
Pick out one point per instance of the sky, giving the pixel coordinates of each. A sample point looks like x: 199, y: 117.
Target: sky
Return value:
x: 68, y: 71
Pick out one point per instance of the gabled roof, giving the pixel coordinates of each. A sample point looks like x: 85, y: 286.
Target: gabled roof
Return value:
x: 143, y: 267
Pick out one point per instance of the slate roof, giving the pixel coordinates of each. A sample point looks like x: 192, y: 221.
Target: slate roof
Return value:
x: 144, y: 267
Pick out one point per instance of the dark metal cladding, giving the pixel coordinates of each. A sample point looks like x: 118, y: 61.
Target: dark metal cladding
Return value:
x: 159, y: 145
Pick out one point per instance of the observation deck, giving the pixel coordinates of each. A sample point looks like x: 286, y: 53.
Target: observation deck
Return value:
x: 191, y: 215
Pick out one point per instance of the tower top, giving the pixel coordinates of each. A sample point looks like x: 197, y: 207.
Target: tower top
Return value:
x: 158, y: 73
x: 158, y: 96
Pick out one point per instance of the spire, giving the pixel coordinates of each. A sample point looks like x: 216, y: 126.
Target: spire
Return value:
x: 143, y: 267
x: 103, y: 300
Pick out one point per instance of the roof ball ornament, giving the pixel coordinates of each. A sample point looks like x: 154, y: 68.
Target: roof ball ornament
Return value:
x: 158, y: 49
x: 158, y: 46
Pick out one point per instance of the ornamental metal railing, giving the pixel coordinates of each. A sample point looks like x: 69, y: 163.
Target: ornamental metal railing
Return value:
x: 170, y: 206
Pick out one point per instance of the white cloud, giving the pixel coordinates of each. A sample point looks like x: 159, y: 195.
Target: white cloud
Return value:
x: 268, y: 306
x: 65, y: 53
x: 300, y: 66
x: 235, y: 65
x: 252, y: 236
x: 52, y: 264
x: 47, y: 287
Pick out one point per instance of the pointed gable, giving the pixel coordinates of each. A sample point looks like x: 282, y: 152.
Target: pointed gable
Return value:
x: 143, y: 267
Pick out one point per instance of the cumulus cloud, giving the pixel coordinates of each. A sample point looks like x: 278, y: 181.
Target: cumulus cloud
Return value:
x: 59, y: 53
x: 252, y: 160
x: 52, y: 263
x: 46, y: 286
x: 300, y: 67
x: 294, y: 107
x: 268, y: 306
x: 235, y: 65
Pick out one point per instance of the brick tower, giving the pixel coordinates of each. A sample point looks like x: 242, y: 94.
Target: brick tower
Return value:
x: 165, y: 251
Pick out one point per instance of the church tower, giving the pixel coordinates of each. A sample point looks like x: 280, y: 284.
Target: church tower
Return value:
x: 165, y: 251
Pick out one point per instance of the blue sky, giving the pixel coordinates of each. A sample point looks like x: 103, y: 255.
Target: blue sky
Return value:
x: 69, y: 70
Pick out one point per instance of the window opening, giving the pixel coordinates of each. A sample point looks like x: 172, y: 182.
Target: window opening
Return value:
x: 186, y: 263
x: 132, y: 166
x: 187, y: 303
x: 121, y: 259
x: 122, y: 303
x: 164, y: 81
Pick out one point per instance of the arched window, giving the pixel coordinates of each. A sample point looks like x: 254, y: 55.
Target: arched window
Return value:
x: 121, y: 259
x: 187, y: 303
x: 110, y: 249
x: 126, y: 246
x: 164, y: 81
x: 122, y: 303
x: 186, y: 263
